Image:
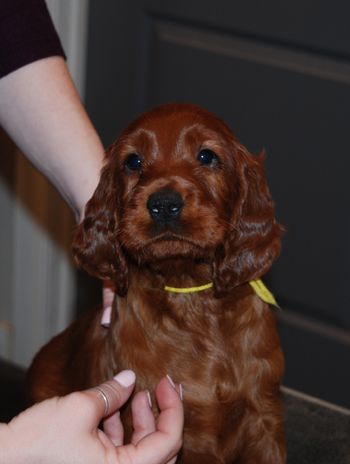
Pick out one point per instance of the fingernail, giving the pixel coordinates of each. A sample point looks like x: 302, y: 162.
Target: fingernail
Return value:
x: 171, y: 381
x: 149, y: 399
x: 125, y: 378
x: 106, y: 316
x: 181, y: 392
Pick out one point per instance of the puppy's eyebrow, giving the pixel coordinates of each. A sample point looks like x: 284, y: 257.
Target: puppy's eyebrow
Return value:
x: 199, y: 134
x: 142, y: 138
x: 184, y: 133
x: 211, y: 144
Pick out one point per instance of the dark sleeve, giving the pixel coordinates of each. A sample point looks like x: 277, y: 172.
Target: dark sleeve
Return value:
x: 27, y: 34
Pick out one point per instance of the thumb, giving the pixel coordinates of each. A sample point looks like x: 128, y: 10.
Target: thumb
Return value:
x: 110, y: 396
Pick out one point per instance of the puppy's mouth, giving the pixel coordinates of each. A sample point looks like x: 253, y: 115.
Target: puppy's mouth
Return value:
x: 170, y: 230
x: 169, y: 244
x: 171, y: 236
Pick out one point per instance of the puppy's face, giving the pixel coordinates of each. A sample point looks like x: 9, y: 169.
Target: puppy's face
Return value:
x: 178, y: 184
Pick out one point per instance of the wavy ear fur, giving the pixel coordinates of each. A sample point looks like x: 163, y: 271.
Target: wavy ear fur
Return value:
x: 95, y: 246
x: 253, y: 241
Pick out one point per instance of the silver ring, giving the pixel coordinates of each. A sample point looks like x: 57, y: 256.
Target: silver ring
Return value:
x: 105, y: 399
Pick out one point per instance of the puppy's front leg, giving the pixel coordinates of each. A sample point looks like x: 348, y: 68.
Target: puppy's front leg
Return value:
x: 73, y: 360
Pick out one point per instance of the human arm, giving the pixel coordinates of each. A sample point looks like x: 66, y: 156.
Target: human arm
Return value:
x: 42, y: 112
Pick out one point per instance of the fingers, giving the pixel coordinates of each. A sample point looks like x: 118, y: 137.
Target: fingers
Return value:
x: 113, y: 428
x: 167, y: 437
x: 142, y: 416
x: 153, y: 442
x: 170, y: 404
x: 108, y: 297
x: 110, y: 396
x: 106, y: 316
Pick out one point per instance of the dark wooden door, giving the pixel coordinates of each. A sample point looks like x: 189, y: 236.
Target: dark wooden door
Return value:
x: 279, y: 74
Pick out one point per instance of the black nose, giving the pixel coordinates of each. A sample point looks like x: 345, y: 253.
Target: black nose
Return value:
x: 165, y: 205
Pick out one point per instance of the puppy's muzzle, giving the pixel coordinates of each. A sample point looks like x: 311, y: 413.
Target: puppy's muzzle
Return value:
x: 165, y: 205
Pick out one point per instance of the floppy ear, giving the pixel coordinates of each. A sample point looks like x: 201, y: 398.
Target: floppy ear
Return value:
x: 253, y: 240
x: 96, y: 248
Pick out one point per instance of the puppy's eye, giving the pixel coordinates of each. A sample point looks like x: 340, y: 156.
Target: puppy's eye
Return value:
x: 133, y: 162
x: 207, y: 157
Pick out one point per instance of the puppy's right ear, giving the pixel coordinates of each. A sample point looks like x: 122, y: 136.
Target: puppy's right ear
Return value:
x: 96, y: 248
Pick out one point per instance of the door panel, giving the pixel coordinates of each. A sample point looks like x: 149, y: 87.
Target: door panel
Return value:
x: 279, y: 76
x: 306, y: 24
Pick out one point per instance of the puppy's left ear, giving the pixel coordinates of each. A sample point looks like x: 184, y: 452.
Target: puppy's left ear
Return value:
x: 253, y: 240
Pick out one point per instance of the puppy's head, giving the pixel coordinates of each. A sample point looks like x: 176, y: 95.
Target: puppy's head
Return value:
x: 177, y: 184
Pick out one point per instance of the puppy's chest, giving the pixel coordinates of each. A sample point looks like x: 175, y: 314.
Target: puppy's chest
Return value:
x: 186, y: 340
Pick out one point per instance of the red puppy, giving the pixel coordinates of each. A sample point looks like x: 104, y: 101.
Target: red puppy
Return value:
x: 182, y: 204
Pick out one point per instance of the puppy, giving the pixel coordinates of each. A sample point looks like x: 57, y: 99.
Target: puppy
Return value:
x: 182, y: 222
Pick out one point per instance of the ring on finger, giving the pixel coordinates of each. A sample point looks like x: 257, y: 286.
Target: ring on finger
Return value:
x: 105, y: 399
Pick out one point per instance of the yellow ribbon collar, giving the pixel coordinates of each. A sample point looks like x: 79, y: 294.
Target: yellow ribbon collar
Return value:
x: 257, y: 285
x: 188, y: 289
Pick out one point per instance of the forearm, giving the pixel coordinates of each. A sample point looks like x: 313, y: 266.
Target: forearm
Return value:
x: 42, y: 112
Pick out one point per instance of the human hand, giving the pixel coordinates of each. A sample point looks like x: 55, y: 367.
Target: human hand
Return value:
x: 65, y: 430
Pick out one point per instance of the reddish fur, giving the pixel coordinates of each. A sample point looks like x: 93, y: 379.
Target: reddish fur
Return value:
x: 221, y: 344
